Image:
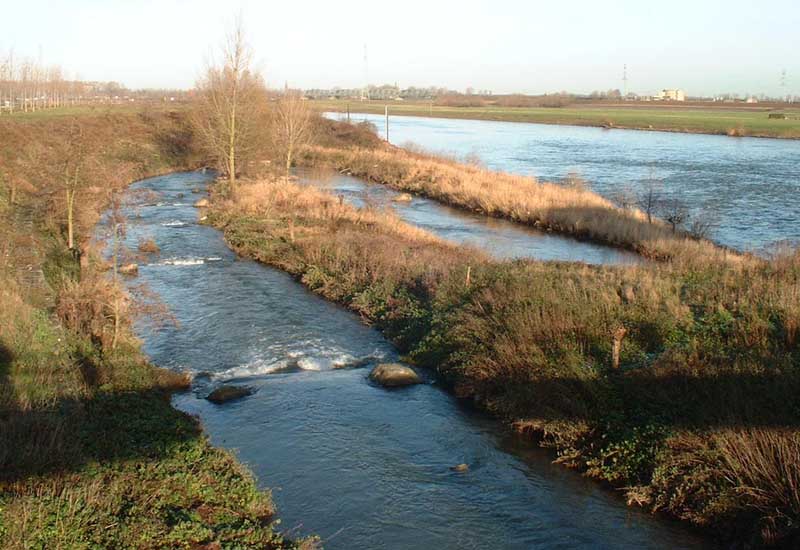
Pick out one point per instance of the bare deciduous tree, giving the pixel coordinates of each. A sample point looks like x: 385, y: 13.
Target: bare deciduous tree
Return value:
x: 291, y: 126
x: 649, y: 199
x: 232, y: 102
x: 674, y: 211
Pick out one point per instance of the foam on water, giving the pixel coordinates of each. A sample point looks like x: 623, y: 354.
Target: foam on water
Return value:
x: 175, y: 223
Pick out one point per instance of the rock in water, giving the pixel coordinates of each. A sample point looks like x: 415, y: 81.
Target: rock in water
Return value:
x: 391, y: 375
x: 202, y: 203
x: 403, y: 197
x: 223, y: 394
x: 128, y: 269
x: 460, y: 468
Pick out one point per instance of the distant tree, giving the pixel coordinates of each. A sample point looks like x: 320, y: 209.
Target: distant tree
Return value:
x: 291, y: 125
x: 232, y: 102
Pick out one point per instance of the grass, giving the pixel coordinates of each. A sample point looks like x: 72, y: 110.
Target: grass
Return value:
x: 93, y: 455
x: 572, y: 211
x: 703, y: 120
x: 699, y: 420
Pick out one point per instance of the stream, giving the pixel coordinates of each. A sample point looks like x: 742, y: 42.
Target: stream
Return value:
x: 360, y: 466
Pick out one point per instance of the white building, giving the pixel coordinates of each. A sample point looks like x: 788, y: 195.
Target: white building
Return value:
x: 671, y: 95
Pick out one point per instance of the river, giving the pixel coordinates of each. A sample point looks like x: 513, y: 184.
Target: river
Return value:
x: 363, y: 467
x: 748, y: 187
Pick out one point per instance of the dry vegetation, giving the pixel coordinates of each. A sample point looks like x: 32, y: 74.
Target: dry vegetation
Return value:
x: 571, y: 210
x: 699, y: 420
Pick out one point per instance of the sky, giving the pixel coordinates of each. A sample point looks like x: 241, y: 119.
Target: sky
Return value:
x: 703, y: 46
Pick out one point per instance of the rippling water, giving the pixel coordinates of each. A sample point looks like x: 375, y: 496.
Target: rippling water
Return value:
x: 751, y: 186
x: 363, y: 467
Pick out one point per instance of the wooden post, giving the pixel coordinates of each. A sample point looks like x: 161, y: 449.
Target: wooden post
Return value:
x: 616, y: 346
x: 387, y: 123
x: 469, y: 271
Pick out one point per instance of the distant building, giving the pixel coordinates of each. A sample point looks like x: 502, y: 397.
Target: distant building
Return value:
x: 670, y: 95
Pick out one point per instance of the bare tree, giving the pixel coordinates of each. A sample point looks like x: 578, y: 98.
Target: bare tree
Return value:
x: 649, y: 199
x: 291, y: 125
x: 674, y: 211
x: 231, y: 105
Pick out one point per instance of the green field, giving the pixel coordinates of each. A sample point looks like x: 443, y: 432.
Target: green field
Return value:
x: 689, y: 119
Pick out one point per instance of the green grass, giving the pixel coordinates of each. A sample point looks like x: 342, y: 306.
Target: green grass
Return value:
x: 669, y: 118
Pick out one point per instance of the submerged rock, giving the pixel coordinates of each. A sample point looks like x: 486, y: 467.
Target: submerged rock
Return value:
x: 128, y: 269
x: 223, y: 394
x: 202, y: 203
x: 392, y: 375
x: 403, y: 197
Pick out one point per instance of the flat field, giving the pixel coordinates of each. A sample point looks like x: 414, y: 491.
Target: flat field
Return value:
x: 726, y: 119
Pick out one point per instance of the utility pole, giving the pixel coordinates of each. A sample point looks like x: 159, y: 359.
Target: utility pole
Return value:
x: 625, y: 81
x: 783, y: 84
x: 365, y: 94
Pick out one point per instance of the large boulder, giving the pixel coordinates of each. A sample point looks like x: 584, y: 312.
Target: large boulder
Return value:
x: 392, y: 375
x: 226, y: 393
x: 202, y: 203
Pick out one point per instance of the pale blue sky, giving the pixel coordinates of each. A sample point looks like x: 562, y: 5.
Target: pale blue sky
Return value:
x: 703, y: 46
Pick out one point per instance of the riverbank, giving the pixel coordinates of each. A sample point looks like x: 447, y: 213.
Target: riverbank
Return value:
x: 570, y: 210
x: 691, y: 414
x: 715, y: 121
x: 93, y: 453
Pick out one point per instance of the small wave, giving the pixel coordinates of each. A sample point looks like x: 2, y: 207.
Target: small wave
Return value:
x: 189, y: 261
x: 298, y: 361
x: 175, y: 223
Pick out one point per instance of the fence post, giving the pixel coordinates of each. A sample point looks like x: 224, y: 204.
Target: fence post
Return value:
x: 616, y: 346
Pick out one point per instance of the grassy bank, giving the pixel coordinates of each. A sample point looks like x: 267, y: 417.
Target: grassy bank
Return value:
x: 93, y: 455
x: 699, y: 416
x: 720, y: 121
x: 572, y: 211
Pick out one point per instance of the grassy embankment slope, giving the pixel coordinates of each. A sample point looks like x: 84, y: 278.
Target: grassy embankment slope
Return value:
x: 700, y: 419
x: 92, y: 454
x: 673, y: 118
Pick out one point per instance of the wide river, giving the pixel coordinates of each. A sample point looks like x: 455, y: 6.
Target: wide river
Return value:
x: 363, y: 467
x: 749, y: 187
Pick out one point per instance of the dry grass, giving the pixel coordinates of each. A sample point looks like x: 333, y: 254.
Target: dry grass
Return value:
x: 764, y: 465
x: 571, y: 210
